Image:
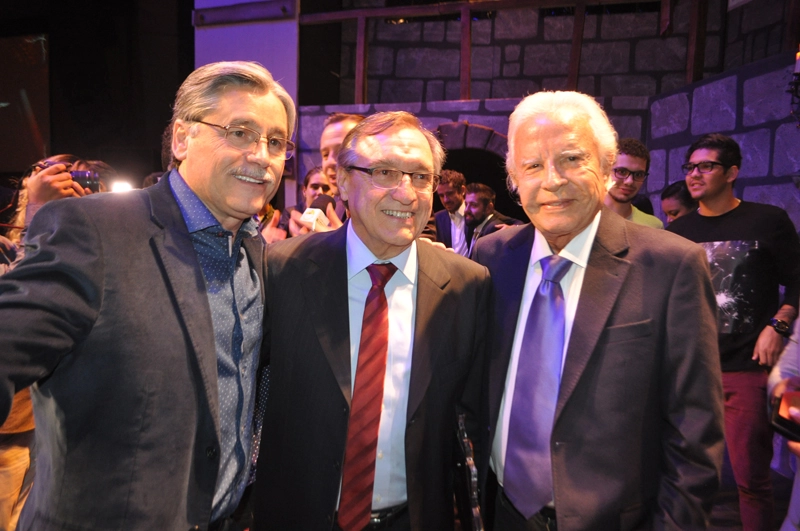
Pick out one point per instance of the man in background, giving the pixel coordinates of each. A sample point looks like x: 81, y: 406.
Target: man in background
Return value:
x: 334, y: 129
x: 628, y: 176
x: 480, y: 215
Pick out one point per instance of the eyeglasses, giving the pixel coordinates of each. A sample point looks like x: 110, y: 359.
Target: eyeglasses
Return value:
x: 242, y: 137
x: 317, y: 186
x: 387, y: 179
x: 624, y: 173
x: 706, y: 166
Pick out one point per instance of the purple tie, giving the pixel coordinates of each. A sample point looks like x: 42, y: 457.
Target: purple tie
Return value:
x: 527, y: 474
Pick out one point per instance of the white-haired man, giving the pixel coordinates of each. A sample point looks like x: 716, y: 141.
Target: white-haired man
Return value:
x: 137, y: 318
x: 604, y: 406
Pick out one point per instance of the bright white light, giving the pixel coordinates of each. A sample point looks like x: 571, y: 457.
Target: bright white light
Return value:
x: 121, y: 186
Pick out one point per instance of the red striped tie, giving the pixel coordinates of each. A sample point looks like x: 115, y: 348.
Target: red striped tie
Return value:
x: 358, y: 475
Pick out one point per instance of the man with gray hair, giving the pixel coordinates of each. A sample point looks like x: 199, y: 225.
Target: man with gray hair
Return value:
x: 136, y: 318
x: 372, y: 341
x: 604, y: 406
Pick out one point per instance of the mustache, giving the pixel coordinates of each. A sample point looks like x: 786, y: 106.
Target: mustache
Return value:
x: 254, y: 173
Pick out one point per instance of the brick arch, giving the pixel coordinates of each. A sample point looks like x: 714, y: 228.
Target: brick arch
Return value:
x: 464, y: 135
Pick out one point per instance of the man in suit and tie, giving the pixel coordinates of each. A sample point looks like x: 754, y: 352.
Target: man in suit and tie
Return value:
x: 137, y: 320
x: 480, y: 215
x: 373, y: 340
x: 450, y: 226
x: 604, y: 406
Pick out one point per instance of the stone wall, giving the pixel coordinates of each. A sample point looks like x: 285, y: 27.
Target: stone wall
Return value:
x: 754, y: 31
x: 751, y: 105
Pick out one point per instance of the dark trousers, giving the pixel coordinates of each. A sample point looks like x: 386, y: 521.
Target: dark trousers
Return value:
x: 508, y: 518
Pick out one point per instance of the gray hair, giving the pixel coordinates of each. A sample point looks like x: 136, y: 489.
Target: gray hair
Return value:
x: 565, y: 106
x: 380, y: 122
x: 200, y: 93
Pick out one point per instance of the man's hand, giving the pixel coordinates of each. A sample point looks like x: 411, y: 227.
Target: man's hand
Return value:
x: 271, y: 232
x: 768, y: 347
x: 794, y: 447
x: 52, y: 183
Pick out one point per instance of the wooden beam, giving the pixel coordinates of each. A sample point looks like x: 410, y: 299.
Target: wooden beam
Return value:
x: 696, y: 49
x: 361, y: 61
x: 246, y: 12
x: 465, y: 79
x: 577, y: 43
x: 792, y: 33
x: 665, y: 20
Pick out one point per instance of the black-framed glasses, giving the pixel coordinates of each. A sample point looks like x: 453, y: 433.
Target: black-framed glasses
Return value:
x: 622, y: 173
x: 389, y: 179
x: 242, y: 137
x: 706, y: 166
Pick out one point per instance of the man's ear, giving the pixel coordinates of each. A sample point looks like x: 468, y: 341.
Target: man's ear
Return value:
x: 180, y: 139
x: 731, y: 174
x: 343, y: 183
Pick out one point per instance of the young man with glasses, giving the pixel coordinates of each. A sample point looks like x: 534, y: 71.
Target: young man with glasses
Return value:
x: 367, y: 374
x: 753, y: 249
x: 628, y: 176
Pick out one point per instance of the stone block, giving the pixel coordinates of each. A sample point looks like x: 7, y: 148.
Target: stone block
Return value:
x: 629, y: 25
x: 501, y: 105
x: 309, y: 131
x: 586, y: 84
x: 347, y: 90
x: 765, y: 97
x: 513, y: 88
x: 454, y: 31
x: 755, y: 146
x: 512, y: 52
x: 480, y: 90
x: 397, y: 91
x: 434, y: 90
x: 627, y: 126
x: 554, y: 83
x: 498, y: 123
x: 785, y: 196
x: 734, y: 55
x: 656, y: 181
x: 733, y: 25
x: 775, y: 40
x: 669, y: 115
x: 786, y: 157
x: 346, y: 66
x: 511, y: 69
x: 477, y: 135
x: 714, y: 17
x: 433, y: 31
x: 546, y: 59
x: 432, y: 123
x: 309, y: 109
x: 351, y: 108
x: 381, y: 61
x: 486, y: 62
x: 516, y: 23
x: 481, y: 31
x: 453, y: 106
x: 498, y: 145
x: 629, y: 85
x: 349, y: 31
x: 714, y: 107
x: 427, y: 63
x: 681, y: 13
x: 605, y: 58
x: 629, y: 102
x: 409, y: 32
x: 661, y: 54
x: 762, y: 13
x: 452, y: 135
x: 560, y: 28
x: 677, y: 157
x: 412, y: 107
x: 373, y: 91
x: 452, y: 90
x: 672, y: 82
x: 711, y: 57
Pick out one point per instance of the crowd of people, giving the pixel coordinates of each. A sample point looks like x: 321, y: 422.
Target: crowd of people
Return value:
x: 194, y: 359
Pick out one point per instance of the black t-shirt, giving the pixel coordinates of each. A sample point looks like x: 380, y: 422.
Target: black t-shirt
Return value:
x: 751, y: 251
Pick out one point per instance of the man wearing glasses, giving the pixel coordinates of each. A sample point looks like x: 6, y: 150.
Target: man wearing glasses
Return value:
x: 752, y: 249
x: 629, y: 174
x: 372, y: 338
x: 137, y: 319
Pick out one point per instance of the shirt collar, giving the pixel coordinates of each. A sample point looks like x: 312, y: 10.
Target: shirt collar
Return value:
x: 577, y: 250
x: 195, y: 213
x: 458, y: 213
x: 359, y: 257
x: 479, y: 228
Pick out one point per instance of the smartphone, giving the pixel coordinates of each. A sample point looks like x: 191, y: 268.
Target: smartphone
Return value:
x: 781, y: 421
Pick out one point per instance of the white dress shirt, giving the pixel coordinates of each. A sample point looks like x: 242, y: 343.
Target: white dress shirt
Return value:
x: 458, y: 233
x: 577, y: 251
x: 401, y: 292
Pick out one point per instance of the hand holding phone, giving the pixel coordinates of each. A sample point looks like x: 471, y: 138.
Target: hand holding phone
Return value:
x: 782, y: 421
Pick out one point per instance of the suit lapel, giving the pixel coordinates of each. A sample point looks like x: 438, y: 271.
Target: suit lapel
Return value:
x: 431, y: 281
x: 326, y: 299
x: 509, y: 281
x: 174, y: 248
x: 605, y: 274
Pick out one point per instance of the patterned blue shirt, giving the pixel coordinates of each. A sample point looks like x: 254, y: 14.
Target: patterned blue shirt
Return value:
x: 234, y: 296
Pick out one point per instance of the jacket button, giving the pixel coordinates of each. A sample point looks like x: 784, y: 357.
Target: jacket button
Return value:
x: 211, y: 452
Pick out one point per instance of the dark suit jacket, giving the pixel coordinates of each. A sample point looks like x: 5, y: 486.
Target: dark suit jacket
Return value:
x: 108, y: 317
x: 440, y: 229
x: 305, y: 427
x: 637, y: 438
x: 493, y: 224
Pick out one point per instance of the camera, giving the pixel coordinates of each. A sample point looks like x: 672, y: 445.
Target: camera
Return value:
x: 87, y: 179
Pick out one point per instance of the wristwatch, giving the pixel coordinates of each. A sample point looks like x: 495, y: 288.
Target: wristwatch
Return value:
x: 780, y: 326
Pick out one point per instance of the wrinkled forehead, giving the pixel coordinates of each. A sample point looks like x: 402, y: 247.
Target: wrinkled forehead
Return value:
x: 394, y: 145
